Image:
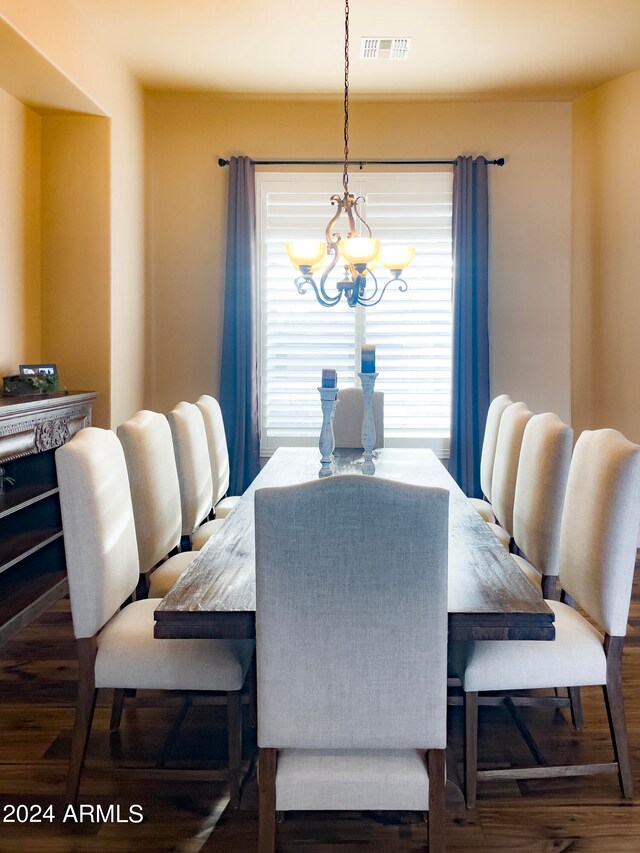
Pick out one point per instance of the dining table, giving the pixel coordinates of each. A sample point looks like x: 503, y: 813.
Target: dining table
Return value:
x: 489, y: 597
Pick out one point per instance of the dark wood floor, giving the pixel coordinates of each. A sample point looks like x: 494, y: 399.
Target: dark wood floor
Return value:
x: 178, y: 776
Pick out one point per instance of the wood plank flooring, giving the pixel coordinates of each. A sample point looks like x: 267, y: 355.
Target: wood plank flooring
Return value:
x: 179, y: 779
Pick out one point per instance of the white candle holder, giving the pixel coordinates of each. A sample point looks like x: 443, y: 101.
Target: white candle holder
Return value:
x: 368, y: 435
x: 327, y: 443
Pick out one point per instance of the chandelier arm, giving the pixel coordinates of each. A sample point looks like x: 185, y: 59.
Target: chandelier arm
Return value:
x: 323, y: 298
x: 333, y: 250
x: 348, y: 206
x: 375, y: 284
x: 357, y: 213
x: 335, y: 199
x: 369, y: 301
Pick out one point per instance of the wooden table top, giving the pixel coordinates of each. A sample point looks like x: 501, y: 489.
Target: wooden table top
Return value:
x: 489, y: 596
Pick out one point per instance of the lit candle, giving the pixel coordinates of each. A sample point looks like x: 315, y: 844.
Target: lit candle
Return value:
x: 329, y: 378
x: 368, y: 359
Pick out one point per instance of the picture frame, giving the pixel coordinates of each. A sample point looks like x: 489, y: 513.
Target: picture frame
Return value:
x: 50, y: 370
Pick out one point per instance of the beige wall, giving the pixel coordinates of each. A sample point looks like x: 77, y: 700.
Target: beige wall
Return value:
x: 19, y: 235
x: 530, y: 221
x: 76, y: 301
x: 606, y: 258
x: 67, y: 41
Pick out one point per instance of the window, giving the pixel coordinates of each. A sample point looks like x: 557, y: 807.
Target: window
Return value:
x: 411, y: 331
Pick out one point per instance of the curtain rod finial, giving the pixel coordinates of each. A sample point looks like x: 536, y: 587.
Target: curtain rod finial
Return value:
x: 500, y: 161
x: 222, y: 161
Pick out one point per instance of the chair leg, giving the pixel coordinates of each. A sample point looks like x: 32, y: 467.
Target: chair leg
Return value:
x: 436, y: 768
x: 252, y: 681
x: 470, y: 747
x: 576, y: 707
x: 116, y: 709
x: 267, y: 764
x: 234, y: 735
x: 87, y: 650
x: 615, y: 712
x: 142, y: 587
x: 550, y: 587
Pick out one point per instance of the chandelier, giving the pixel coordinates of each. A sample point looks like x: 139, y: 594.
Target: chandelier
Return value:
x: 359, y: 254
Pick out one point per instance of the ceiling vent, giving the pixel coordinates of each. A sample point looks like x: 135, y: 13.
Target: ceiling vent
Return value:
x: 384, y: 48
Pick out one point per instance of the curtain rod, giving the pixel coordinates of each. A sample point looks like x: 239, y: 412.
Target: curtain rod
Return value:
x: 222, y: 162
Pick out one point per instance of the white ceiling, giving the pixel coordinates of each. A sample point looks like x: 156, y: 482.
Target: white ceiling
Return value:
x: 538, y: 49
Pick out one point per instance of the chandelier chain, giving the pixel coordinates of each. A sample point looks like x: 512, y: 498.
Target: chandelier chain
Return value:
x: 345, y: 171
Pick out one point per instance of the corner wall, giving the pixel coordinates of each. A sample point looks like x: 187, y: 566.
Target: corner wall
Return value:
x: 19, y: 235
x: 76, y: 279
x: 58, y: 46
x: 606, y: 258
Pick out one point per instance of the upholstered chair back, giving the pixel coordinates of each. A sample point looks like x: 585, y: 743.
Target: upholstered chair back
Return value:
x: 194, y: 469
x: 217, y: 443
x: 541, y: 483
x: 347, y: 422
x: 155, y: 491
x: 505, y: 467
x: 600, y: 521
x: 494, y: 415
x: 351, y: 583
x: 99, y: 532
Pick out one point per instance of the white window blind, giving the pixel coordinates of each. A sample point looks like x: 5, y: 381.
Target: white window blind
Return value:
x: 411, y: 331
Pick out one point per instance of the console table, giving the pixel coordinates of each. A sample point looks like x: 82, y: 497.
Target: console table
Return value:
x: 32, y: 565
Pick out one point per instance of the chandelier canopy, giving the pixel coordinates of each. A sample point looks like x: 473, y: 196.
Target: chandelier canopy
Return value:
x: 360, y: 254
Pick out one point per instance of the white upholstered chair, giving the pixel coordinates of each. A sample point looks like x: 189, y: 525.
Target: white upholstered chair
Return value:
x: 492, y: 425
x: 541, y: 483
x: 598, y: 541
x: 194, y: 475
x: 505, y: 468
x: 218, y: 455
x: 351, y: 633
x: 155, y: 495
x: 347, y: 421
x: 116, y: 646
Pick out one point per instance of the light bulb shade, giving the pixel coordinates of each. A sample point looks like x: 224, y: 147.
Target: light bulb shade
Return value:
x: 397, y: 257
x: 306, y: 253
x: 359, y: 250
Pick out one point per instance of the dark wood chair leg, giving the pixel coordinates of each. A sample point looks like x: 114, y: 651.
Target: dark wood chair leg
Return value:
x: 252, y: 688
x: 576, y: 706
x: 470, y: 748
x: 142, y: 587
x: 436, y: 761
x: 234, y: 735
x: 87, y: 650
x: 267, y: 764
x: 550, y: 587
x: 613, y: 699
x: 116, y: 709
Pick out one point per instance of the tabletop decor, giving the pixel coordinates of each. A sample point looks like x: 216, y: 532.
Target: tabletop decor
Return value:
x: 368, y: 378
x: 328, y: 400
x: 359, y: 254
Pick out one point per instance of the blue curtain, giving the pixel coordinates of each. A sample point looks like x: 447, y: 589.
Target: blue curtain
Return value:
x: 470, y: 397
x: 239, y: 363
